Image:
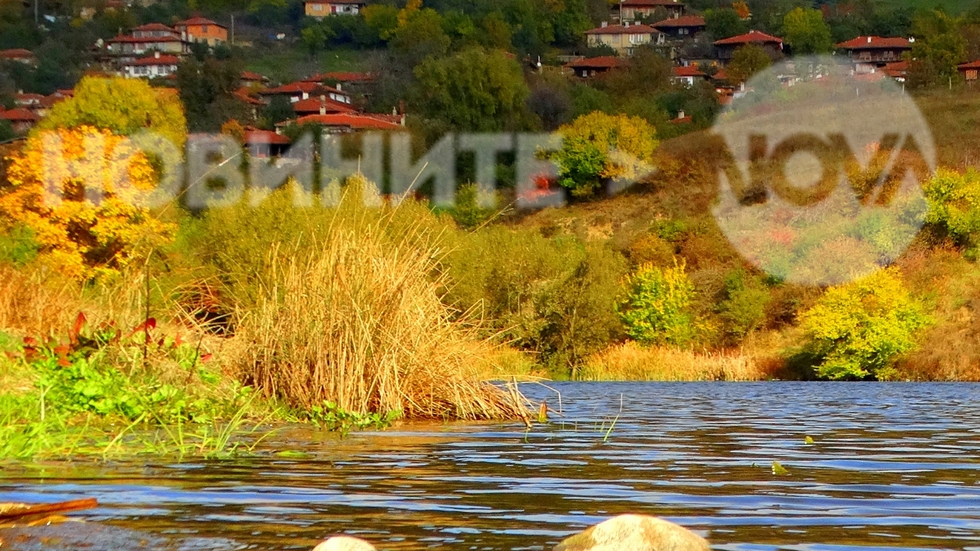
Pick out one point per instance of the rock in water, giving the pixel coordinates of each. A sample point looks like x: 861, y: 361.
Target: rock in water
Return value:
x: 344, y: 543
x: 635, y: 533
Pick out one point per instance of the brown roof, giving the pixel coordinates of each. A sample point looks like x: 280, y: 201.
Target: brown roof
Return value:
x: 897, y: 69
x: 970, y: 65
x: 312, y: 105
x: 353, y: 121
x: 265, y: 137
x: 684, y: 21
x: 602, y: 62
x: 125, y: 38
x: 19, y: 114
x: 154, y: 60
x: 16, y: 53
x: 875, y: 43
x: 356, y: 2
x: 751, y: 37
x: 651, y: 3
x: 243, y: 94
x: 154, y: 27
x: 197, y: 21
x: 623, y: 29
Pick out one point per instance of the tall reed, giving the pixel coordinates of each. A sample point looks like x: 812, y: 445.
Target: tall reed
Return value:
x: 632, y: 362
x: 355, y: 317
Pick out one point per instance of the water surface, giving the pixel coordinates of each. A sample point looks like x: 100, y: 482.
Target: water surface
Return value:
x: 893, y: 466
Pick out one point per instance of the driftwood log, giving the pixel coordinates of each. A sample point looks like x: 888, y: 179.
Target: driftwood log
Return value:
x: 13, y: 511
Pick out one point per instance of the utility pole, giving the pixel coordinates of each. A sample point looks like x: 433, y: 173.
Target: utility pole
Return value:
x: 232, y: 28
x: 36, y: 2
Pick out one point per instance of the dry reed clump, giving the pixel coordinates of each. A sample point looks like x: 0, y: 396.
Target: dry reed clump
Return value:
x: 631, y: 362
x: 356, y: 319
x: 35, y: 301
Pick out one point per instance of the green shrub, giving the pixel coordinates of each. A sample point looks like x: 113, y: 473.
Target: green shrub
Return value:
x: 657, y: 309
x: 743, y: 309
x: 18, y: 246
x: 857, y: 330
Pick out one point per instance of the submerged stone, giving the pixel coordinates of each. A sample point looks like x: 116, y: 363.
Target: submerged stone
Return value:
x: 635, y: 533
x: 344, y: 543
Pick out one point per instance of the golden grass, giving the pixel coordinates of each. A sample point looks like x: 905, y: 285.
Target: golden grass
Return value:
x: 35, y: 301
x: 356, y: 319
x: 632, y: 362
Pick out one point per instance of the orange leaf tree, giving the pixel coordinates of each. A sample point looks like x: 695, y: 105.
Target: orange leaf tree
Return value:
x: 82, y: 191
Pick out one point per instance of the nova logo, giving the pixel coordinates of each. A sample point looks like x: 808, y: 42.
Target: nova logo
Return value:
x: 827, y: 167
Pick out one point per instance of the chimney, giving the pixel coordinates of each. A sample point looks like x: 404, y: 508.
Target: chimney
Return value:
x: 156, y: 54
x: 680, y: 115
x: 340, y: 87
x: 605, y: 24
x: 323, y: 105
x: 869, y: 40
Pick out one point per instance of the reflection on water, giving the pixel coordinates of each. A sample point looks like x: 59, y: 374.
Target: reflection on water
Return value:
x: 893, y: 465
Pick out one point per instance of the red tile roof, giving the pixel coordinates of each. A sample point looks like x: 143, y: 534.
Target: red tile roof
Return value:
x: 720, y: 75
x: 751, y: 37
x: 602, y: 62
x: 875, y: 43
x: 682, y: 120
x: 19, y: 114
x: 688, y: 72
x: 897, y: 69
x: 243, y: 94
x: 356, y: 2
x: 313, y: 104
x: 683, y: 21
x: 965, y: 66
x: 197, y: 21
x: 299, y: 87
x: 623, y: 29
x: 16, y: 53
x: 265, y: 137
x: 153, y: 60
x: 353, y: 121
x: 250, y: 76
x: 340, y: 76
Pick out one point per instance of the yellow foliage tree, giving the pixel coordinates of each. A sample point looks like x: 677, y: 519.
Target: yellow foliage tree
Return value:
x: 598, y: 147
x: 81, y: 190
x: 123, y: 106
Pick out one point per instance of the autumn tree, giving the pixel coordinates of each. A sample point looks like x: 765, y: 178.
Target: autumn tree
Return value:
x: 81, y: 191
x: 597, y: 148
x: 473, y: 90
x: 806, y: 32
x: 747, y: 61
x: 121, y: 106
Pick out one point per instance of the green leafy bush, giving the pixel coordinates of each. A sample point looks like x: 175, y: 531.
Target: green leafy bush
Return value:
x: 657, y: 309
x: 743, y: 309
x: 857, y: 330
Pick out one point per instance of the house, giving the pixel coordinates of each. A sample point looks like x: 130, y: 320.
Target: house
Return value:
x: 28, y: 100
x: 154, y: 66
x: 20, y: 55
x: 686, y: 26
x: 345, y: 123
x: 20, y: 118
x: 682, y: 118
x: 868, y: 53
x: 631, y: 10
x: 592, y: 66
x: 200, y: 29
x: 623, y: 38
x: 297, y: 91
x: 773, y: 45
x: 688, y: 75
x: 969, y: 71
x: 132, y: 46
x: 323, y: 8
x: 898, y: 70
x: 265, y: 143
x: 321, y: 106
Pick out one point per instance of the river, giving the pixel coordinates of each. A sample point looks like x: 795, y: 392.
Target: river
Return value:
x: 890, y: 466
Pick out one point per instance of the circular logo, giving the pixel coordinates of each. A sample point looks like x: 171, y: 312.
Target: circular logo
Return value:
x: 824, y: 183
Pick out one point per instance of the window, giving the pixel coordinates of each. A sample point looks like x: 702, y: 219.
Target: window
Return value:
x: 971, y: 74
x: 317, y: 7
x: 682, y: 30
